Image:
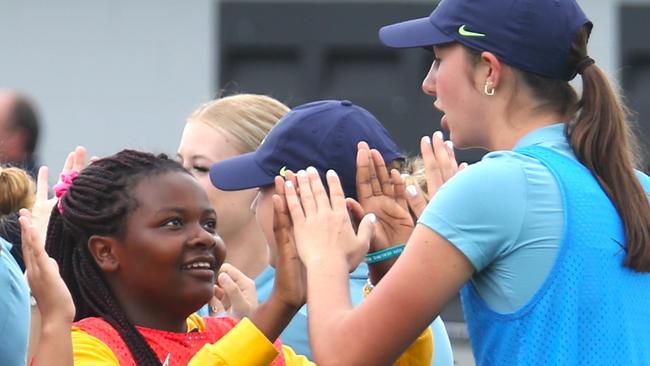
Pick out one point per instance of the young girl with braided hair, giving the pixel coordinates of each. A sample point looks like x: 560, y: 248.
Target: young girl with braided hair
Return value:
x: 135, y: 239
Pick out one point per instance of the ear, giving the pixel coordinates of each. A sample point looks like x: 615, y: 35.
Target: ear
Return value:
x: 493, y: 70
x: 103, y: 250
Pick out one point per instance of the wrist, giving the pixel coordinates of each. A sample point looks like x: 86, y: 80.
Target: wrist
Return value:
x: 332, y: 261
x: 55, y: 327
x: 380, y: 262
x: 280, y: 306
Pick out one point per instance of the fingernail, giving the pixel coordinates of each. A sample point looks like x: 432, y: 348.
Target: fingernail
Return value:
x: 331, y: 173
x: 302, y: 173
x: 427, y: 139
x: 288, y: 184
x: 438, y: 134
x: 449, y: 144
x: 411, y: 190
x: 312, y: 170
x: 372, y: 218
x: 404, y: 176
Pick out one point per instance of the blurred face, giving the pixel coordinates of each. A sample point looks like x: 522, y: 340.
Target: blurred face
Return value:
x: 263, y: 208
x: 201, y: 146
x: 451, y: 81
x: 170, y: 253
x: 10, y: 148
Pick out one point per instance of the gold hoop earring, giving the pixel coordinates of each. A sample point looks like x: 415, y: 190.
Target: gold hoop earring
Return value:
x: 488, y: 89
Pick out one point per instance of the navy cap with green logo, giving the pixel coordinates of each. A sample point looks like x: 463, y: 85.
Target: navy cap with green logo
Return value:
x: 532, y: 35
x: 323, y: 134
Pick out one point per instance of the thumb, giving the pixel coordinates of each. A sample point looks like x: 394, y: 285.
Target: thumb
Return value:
x: 366, y: 229
x: 416, y: 199
x: 356, y: 210
x: 237, y: 299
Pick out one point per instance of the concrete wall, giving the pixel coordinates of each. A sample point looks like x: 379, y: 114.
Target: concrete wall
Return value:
x: 109, y: 74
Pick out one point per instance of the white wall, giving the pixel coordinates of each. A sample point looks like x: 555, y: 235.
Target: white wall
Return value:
x: 109, y: 74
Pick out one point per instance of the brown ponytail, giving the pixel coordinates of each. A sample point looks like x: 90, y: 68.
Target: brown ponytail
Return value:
x: 603, y: 141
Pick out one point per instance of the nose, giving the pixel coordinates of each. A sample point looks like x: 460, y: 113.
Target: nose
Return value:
x: 429, y: 82
x: 202, y: 237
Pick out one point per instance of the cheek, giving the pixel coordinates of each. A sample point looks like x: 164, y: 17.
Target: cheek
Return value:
x: 264, y: 216
x: 219, y: 250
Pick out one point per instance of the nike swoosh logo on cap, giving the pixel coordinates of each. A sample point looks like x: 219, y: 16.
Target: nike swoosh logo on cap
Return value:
x: 465, y: 33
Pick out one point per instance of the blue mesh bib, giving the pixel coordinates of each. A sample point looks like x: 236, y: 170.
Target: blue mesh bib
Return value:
x: 590, y: 310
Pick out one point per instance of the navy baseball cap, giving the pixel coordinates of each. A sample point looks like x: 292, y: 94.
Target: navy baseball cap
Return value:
x: 532, y: 35
x: 323, y: 134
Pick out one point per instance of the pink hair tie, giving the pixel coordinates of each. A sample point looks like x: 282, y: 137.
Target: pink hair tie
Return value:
x: 62, y: 187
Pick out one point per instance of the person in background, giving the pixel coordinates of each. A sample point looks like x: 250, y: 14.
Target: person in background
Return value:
x: 218, y: 130
x: 19, y: 132
x: 16, y: 191
x: 322, y: 134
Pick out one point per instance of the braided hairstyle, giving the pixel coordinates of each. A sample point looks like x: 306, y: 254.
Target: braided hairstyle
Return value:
x: 99, y: 202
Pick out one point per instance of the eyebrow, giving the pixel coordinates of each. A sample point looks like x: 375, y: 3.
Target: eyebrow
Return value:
x: 182, y: 211
x: 193, y: 157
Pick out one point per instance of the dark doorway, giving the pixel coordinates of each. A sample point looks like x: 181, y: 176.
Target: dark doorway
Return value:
x: 298, y: 52
x: 635, y: 51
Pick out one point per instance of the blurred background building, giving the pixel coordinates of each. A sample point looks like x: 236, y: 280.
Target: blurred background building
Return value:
x: 112, y: 74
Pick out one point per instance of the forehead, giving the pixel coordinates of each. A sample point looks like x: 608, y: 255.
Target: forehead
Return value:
x: 7, y: 101
x: 169, y: 189
x: 201, y: 139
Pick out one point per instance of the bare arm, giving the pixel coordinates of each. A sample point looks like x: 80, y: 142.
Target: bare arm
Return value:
x: 426, y: 276
x: 52, y: 296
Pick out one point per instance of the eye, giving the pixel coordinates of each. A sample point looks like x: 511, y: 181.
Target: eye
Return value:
x: 173, y: 222
x: 210, y: 226
x: 200, y: 169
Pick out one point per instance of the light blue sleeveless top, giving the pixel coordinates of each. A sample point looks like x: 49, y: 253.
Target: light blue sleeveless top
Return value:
x: 590, y: 309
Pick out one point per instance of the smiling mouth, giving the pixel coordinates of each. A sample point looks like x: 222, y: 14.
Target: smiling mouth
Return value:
x: 201, y: 270
x: 198, y: 265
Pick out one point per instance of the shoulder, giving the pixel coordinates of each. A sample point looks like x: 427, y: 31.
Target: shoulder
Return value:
x: 482, y: 209
x: 498, y: 179
x: 90, y: 350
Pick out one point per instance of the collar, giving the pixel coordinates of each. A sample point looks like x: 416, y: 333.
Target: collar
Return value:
x: 547, y: 135
x: 5, y: 245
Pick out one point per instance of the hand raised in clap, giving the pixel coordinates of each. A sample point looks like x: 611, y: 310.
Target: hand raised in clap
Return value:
x: 43, y: 205
x: 322, y: 227
x: 440, y: 165
x: 382, y: 195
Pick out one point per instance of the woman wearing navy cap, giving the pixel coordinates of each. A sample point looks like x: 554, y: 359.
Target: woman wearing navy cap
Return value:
x: 548, y: 236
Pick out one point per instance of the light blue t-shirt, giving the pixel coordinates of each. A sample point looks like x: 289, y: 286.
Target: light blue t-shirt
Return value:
x: 14, y: 309
x: 505, y: 214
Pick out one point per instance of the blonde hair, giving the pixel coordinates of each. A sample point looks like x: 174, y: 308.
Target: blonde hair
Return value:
x: 246, y: 117
x: 414, y: 167
x: 17, y: 190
